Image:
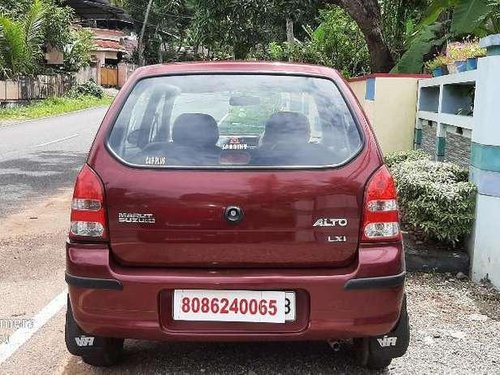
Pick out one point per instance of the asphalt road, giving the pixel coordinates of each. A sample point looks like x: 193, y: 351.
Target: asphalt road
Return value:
x: 39, y: 157
x: 455, y: 324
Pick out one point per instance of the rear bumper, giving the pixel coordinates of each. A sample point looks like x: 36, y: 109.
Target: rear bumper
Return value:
x: 109, y: 300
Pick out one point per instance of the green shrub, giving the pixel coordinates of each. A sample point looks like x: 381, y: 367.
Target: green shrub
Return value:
x: 435, y: 198
x: 397, y: 157
x: 89, y: 88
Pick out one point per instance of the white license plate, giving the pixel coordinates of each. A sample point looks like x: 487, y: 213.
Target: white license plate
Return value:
x: 234, y: 306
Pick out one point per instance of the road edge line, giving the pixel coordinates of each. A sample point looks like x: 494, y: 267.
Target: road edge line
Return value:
x: 23, y: 334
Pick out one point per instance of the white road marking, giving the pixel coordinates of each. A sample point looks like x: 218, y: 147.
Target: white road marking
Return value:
x: 58, y: 140
x: 23, y: 334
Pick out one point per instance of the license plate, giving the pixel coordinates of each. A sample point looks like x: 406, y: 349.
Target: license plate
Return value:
x: 234, y: 306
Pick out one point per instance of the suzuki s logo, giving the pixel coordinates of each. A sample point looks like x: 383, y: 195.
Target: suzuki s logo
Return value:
x: 330, y: 222
x: 84, y: 341
x: 387, y: 341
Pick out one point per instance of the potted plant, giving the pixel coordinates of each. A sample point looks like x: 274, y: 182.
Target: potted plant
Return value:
x: 457, y: 55
x: 473, y: 51
x: 437, y: 66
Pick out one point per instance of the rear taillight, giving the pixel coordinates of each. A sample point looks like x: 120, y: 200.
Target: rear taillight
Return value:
x: 88, y: 213
x: 381, y: 213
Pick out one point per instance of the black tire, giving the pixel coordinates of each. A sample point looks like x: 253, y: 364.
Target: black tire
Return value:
x: 369, y: 352
x: 366, y: 358
x: 107, y: 355
x: 103, y: 352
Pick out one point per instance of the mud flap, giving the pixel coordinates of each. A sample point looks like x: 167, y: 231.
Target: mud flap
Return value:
x: 78, y: 342
x: 395, y: 343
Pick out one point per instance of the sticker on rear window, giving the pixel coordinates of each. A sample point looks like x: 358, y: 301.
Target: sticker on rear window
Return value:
x: 156, y: 160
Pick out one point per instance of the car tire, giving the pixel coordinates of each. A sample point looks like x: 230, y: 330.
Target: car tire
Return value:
x: 366, y: 358
x: 102, y: 352
x: 369, y: 353
x: 108, y: 355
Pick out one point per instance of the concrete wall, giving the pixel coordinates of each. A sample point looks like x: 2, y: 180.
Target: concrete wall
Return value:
x: 33, y: 88
x: 485, y: 165
x: 390, y: 101
x: 125, y: 70
x: 359, y: 88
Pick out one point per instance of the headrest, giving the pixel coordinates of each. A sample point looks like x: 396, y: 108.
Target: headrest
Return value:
x: 287, y: 127
x: 195, y: 129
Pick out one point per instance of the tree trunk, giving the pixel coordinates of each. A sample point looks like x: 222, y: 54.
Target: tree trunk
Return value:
x: 368, y: 17
x: 140, y: 43
x: 290, y: 37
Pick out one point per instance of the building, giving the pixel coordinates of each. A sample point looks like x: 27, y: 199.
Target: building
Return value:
x: 115, y: 41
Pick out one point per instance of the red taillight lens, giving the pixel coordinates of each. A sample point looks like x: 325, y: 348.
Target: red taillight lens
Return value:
x: 88, y: 213
x: 381, y: 213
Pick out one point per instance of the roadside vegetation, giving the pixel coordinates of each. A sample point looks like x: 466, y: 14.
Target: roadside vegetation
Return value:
x: 436, y: 199
x: 81, y: 97
x: 29, y: 28
x: 356, y: 37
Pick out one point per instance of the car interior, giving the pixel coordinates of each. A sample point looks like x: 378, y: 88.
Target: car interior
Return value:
x: 285, y: 138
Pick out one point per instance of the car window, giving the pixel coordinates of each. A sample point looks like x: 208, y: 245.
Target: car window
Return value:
x: 235, y: 121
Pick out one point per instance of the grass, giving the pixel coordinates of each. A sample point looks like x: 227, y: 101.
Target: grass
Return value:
x: 53, y: 106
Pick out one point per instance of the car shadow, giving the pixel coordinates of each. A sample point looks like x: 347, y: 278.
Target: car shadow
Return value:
x: 229, y: 358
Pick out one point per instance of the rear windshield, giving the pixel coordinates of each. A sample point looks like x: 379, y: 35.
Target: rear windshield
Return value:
x: 235, y: 121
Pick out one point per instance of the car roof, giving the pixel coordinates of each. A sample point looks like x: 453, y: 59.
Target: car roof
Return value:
x: 235, y: 67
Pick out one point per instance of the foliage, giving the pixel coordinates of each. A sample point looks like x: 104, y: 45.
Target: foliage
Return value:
x: 456, y: 52
x: 452, y: 20
x: 166, y: 28
x: 467, y: 49
x: 53, y: 106
x: 437, y: 62
x: 237, y: 25
x: 472, y: 49
x: 399, y: 19
x: 57, y: 25
x: 435, y: 198
x: 395, y: 158
x: 21, y: 40
x: 421, y: 44
x: 26, y: 28
x: 89, y: 88
x: 337, y: 42
x: 77, y: 54
x: 342, y: 43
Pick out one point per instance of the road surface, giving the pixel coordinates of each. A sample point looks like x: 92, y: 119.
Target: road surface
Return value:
x: 39, y: 157
x: 455, y: 325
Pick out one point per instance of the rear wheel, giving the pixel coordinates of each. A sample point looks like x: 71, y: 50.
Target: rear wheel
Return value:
x: 366, y: 358
x: 107, y: 355
x: 94, y: 350
x: 376, y: 353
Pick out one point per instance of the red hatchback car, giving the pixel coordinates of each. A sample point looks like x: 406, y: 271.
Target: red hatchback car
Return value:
x: 235, y: 202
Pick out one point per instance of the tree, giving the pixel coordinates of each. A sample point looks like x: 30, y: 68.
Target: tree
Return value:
x: 167, y: 24
x: 368, y: 16
x: 21, y: 40
x: 219, y: 24
x: 140, y: 46
x: 77, y: 54
x: 342, y: 42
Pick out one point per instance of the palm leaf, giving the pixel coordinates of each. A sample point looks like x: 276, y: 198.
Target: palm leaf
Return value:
x: 12, y: 45
x: 33, y: 23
